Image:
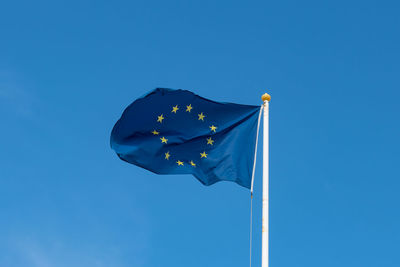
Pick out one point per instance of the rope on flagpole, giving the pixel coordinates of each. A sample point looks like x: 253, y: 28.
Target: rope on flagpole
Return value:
x: 251, y: 224
x: 252, y: 182
x: 255, y: 150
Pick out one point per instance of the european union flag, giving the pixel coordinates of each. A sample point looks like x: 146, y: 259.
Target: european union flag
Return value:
x: 177, y: 132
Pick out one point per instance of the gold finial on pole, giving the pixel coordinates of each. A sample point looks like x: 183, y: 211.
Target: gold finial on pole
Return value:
x: 266, y: 97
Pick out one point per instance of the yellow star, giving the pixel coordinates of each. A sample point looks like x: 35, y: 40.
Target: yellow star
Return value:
x: 210, y: 141
x: 213, y: 128
x: 180, y: 163
x: 160, y: 118
x: 201, y: 116
x: 203, y: 155
x: 167, y: 155
x: 163, y: 140
x: 175, y: 109
x: 155, y: 132
x: 189, y: 108
x: 192, y: 163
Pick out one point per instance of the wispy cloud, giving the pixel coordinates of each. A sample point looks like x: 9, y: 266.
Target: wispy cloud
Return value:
x: 15, y: 97
x: 36, y: 256
x: 37, y: 253
x: 35, y: 248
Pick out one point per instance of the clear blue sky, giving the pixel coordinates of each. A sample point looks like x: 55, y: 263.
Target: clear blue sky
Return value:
x: 69, y: 68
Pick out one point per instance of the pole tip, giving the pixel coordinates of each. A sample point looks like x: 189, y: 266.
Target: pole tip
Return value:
x: 266, y: 97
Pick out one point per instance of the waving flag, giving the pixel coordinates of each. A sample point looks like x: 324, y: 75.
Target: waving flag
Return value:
x: 178, y: 132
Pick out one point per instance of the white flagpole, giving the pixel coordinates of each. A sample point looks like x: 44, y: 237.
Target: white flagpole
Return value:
x: 265, y: 188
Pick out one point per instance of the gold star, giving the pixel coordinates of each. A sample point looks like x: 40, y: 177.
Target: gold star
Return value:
x: 213, y: 128
x: 189, y: 108
x: 192, y: 163
x: 175, y: 109
x: 201, y: 116
x: 163, y: 140
x: 203, y: 155
x: 167, y: 155
x: 160, y: 118
x: 155, y: 132
x: 210, y: 141
x: 180, y: 163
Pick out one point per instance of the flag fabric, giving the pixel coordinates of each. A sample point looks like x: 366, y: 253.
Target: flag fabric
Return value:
x: 178, y: 132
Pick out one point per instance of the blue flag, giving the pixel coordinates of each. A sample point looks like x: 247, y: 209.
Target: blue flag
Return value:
x: 178, y: 132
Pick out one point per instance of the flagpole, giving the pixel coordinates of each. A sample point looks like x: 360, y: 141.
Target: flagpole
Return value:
x: 265, y: 187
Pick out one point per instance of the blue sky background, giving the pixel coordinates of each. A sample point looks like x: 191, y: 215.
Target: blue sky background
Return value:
x: 69, y: 68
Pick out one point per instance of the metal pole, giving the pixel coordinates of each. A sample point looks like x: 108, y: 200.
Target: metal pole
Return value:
x: 265, y: 188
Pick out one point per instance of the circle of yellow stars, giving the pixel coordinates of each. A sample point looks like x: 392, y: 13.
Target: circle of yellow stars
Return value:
x: 201, y: 117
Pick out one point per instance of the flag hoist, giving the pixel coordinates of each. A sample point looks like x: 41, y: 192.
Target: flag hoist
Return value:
x: 265, y: 187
